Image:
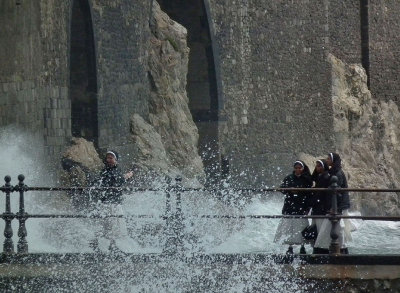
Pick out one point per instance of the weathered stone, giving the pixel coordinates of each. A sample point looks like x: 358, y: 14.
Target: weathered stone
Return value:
x: 150, y: 152
x: 367, y: 138
x: 169, y: 140
x: 83, y: 152
x: 80, y: 163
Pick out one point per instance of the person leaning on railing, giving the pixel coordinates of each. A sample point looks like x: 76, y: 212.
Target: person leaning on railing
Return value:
x: 343, y: 204
x: 295, y: 203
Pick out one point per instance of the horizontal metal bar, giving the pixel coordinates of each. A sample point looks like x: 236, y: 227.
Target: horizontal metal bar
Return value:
x: 221, y: 190
x: 55, y: 216
x: 60, y: 216
x: 367, y: 218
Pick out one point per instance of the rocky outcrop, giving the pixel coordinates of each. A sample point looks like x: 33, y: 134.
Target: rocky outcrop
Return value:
x: 150, y: 153
x: 167, y: 141
x: 367, y: 137
x: 80, y: 163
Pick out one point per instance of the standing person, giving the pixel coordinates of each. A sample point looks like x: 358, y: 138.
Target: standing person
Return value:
x: 321, y: 201
x: 108, y: 204
x: 343, y: 204
x: 296, y: 203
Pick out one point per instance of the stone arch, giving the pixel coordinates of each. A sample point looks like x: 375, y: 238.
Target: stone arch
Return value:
x: 202, y: 80
x: 83, y: 73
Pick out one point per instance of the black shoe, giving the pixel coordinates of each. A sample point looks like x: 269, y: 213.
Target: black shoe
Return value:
x: 303, y: 250
x: 344, y: 251
x: 290, y: 250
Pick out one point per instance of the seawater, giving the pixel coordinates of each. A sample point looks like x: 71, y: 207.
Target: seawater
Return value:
x: 201, y: 235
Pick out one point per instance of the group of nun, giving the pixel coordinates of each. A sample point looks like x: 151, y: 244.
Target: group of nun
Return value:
x: 291, y: 230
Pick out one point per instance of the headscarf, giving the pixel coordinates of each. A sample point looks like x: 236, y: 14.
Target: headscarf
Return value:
x: 324, y: 164
x: 306, y: 170
x: 336, y: 163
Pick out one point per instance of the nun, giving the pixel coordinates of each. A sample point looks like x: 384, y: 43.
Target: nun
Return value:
x: 321, y: 201
x: 323, y: 240
x: 295, y: 203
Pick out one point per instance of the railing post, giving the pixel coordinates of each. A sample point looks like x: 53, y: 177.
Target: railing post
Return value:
x: 334, y: 247
x: 22, y: 246
x: 174, y: 220
x: 168, y: 245
x: 8, y: 246
x: 179, y: 226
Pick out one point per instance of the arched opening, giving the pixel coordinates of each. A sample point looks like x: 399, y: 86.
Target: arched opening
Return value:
x: 83, y: 79
x: 201, y: 79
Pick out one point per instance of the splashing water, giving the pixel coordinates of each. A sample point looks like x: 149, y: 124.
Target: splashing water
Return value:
x: 208, y: 236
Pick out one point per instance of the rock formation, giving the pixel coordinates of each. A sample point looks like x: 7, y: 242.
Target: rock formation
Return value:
x: 367, y: 134
x: 80, y: 162
x: 167, y: 141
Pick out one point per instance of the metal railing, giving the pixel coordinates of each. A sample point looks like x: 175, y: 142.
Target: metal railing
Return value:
x: 174, y: 219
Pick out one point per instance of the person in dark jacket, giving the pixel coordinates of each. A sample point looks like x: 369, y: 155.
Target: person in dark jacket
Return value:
x: 108, y: 203
x: 335, y: 163
x: 321, y: 201
x: 111, y: 176
x: 343, y: 204
x: 295, y: 203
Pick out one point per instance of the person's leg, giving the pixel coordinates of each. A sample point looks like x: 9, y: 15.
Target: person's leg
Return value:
x: 97, y: 228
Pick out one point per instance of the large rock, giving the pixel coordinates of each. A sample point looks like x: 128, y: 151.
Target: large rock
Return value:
x: 80, y: 163
x: 167, y: 142
x: 367, y: 138
x: 150, y: 153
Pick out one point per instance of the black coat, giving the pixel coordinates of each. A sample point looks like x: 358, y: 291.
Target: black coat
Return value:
x: 321, y: 201
x: 296, y: 203
x: 343, y: 199
x: 111, y: 177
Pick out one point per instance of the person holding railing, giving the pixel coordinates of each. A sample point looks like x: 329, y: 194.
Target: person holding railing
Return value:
x: 295, y: 203
x: 108, y: 203
x: 343, y: 204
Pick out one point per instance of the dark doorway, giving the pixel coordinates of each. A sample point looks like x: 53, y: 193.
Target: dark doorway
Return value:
x: 364, y: 22
x: 201, y: 80
x: 83, y: 79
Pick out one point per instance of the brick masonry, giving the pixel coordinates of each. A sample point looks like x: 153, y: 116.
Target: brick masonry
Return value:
x: 274, y: 82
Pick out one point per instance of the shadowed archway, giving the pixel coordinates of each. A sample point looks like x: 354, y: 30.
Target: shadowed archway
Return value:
x: 83, y: 78
x: 201, y: 80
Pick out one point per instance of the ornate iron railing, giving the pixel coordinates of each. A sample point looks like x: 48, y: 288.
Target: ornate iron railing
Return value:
x: 174, y: 218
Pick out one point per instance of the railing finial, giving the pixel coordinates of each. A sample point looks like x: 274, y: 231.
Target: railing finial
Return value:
x: 8, y: 246
x: 22, y: 246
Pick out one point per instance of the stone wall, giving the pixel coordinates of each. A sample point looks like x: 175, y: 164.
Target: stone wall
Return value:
x: 121, y: 32
x: 384, y: 44
x: 275, y: 84
x: 34, y: 75
x: 273, y: 77
x: 33, y: 84
x: 345, y: 30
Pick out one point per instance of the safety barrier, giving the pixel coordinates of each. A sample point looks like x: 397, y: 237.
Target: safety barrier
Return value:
x: 173, y: 217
